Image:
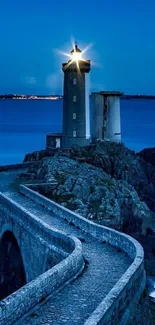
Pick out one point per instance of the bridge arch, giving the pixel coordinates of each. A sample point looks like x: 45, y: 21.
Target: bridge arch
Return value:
x: 12, y: 273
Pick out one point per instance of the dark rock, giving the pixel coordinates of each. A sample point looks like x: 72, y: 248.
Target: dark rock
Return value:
x: 26, y: 176
x: 106, y: 183
x: 148, y: 155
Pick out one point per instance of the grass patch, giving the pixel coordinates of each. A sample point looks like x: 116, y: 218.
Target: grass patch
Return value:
x: 60, y: 178
x: 109, y: 184
x: 88, y: 154
x: 61, y: 198
x: 70, y: 206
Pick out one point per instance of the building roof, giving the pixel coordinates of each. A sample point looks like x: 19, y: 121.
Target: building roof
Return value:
x: 54, y: 135
x: 76, y: 49
x: 84, y: 66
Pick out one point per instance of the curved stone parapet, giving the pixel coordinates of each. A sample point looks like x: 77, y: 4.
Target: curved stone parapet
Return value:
x: 23, y: 300
x: 118, y: 305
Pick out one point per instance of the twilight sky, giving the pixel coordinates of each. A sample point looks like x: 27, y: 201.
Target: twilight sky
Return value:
x: 123, y: 32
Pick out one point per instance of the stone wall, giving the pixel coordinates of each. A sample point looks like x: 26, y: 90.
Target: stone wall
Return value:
x: 120, y: 302
x: 33, y: 237
x: 48, y: 239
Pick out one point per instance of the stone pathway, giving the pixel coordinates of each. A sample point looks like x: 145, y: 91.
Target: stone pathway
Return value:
x: 104, y: 267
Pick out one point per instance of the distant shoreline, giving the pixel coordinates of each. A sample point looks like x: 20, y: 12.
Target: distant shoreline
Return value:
x: 138, y: 97
x: 57, y: 97
x: 30, y: 97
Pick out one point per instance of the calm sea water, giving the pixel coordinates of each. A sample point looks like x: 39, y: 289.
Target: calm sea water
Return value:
x: 25, y: 123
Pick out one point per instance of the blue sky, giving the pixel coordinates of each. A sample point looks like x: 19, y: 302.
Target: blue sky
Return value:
x: 123, y: 33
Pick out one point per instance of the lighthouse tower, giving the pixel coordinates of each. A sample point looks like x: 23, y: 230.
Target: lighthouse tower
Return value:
x: 75, y: 110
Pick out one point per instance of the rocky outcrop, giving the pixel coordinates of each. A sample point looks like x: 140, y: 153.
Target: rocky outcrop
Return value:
x: 148, y: 155
x: 106, y: 183
x: 117, y: 161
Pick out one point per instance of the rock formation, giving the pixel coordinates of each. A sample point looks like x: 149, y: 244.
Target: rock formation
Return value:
x: 106, y: 183
x: 148, y: 155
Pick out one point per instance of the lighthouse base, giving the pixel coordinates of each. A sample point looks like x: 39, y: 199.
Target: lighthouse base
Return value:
x: 68, y: 142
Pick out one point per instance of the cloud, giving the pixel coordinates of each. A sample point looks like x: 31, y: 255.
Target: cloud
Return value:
x: 31, y: 80
x: 54, y: 81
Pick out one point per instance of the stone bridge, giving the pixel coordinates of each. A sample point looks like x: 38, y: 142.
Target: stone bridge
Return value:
x: 58, y: 268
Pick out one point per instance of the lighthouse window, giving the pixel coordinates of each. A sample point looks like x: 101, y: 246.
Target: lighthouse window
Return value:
x: 74, y: 99
x: 74, y: 81
x: 74, y: 116
x: 74, y: 134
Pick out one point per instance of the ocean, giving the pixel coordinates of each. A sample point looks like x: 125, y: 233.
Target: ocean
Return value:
x: 25, y: 123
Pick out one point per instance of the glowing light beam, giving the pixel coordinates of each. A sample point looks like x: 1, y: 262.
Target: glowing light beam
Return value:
x: 88, y: 47
x: 77, y: 56
x: 62, y: 53
x: 67, y: 65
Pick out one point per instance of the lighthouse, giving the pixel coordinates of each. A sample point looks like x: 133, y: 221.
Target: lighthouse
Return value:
x: 83, y: 125
x: 75, y: 101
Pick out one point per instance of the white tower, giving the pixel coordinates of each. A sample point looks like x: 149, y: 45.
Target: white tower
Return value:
x: 105, y: 116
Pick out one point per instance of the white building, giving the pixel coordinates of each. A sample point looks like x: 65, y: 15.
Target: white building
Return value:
x: 105, y: 123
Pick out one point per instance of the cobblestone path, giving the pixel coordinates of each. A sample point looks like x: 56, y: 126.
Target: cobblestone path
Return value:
x: 105, y: 266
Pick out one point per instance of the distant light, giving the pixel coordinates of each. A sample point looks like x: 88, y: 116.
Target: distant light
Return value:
x: 76, y: 56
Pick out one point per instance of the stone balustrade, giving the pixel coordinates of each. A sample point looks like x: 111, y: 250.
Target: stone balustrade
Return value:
x: 22, y: 301
x: 117, y: 306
